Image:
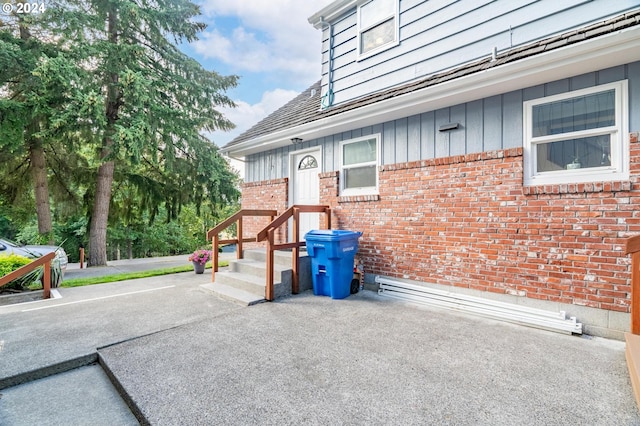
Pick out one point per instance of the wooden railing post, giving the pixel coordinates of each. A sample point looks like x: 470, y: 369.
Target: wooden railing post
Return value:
x: 632, y: 353
x: 327, y: 213
x: 270, y: 242
x: 214, y: 256
x: 633, y: 247
x: 46, y: 280
x: 635, y: 292
x: 239, y: 244
x: 295, y: 261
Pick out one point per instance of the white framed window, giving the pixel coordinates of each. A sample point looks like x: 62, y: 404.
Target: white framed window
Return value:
x: 378, y: 27
x: 359, y: 159
x: 577, y: 137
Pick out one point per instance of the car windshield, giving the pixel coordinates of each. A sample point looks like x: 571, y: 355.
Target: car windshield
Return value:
x: 10, y: 243
x: 28, y: 251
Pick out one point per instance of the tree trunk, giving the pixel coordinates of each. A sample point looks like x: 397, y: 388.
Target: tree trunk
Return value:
x: 41, y: 189
x: 100, y: 217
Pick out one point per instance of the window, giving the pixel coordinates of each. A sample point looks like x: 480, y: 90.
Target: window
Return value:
x: 377, y: 26
x: 308, y: 162
x: 577, y: 137
x: 359, y: 166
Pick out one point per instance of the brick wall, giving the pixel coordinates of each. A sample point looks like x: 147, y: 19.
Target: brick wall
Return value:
x: 270, y: 195
x: 467, y: 221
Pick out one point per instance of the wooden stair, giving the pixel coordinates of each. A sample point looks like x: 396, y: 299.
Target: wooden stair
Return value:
x: 245, y: 280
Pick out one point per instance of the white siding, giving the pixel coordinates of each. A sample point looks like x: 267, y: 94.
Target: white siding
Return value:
x: 437, y: 35
x: 484, y: 125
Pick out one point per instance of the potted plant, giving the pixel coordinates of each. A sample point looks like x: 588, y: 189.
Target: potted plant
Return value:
x: 200, y: 259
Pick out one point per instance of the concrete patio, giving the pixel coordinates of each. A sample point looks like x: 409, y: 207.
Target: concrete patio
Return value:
x: 176, y: 354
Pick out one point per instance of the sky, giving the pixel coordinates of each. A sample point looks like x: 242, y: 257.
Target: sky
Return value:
x: 270, y: 45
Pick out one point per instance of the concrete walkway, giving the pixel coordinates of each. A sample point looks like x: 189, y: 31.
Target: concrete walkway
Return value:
x: 132, y: 265
x: 180, y: 356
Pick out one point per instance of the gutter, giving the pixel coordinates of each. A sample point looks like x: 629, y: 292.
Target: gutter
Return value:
x: 331, y: 12
x: 239, y: 159
x: 607, y: 51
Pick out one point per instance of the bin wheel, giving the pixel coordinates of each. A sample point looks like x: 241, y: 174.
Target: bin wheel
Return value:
x: 355, y: 285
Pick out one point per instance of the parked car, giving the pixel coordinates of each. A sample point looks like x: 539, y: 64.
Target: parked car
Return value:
x: 35, y: 251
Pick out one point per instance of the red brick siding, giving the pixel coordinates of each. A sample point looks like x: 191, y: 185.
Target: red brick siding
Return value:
x: 270, y: 194
x: 467, y: 221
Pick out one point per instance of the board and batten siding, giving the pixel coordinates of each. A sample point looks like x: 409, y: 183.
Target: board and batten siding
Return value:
x: 487, y: 124
x: 437, y: 35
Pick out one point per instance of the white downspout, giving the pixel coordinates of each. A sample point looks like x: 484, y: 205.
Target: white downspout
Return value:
x: 327, y: 98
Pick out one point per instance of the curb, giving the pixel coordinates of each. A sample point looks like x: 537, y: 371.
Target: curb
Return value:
x: 50, y: 370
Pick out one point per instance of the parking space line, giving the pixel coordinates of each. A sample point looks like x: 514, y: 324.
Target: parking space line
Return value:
x: 98, y: 298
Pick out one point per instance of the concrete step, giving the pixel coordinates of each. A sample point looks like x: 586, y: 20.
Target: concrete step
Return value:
x: 251, y: 283
x: 248, y: 277
x: 233, y: 294
x: 259, y: 269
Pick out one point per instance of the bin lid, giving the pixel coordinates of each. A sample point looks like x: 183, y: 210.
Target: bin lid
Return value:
x: 332, y: 235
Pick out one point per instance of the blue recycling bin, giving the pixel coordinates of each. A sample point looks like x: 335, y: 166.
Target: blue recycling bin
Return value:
x: 332, y: 253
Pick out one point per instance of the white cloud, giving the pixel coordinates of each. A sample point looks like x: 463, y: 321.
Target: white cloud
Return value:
x: 247, y: 115
x: 242, y: 49
x: 274, y: 36
x: 273, y: 16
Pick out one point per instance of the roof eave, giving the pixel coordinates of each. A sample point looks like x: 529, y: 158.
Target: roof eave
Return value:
x: 603, y: 52
x: 331, y: 12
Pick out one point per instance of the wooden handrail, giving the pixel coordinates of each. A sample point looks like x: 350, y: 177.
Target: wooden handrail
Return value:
x: 213, y: 234
x: 24, y: 270
x: 280, y: 220
x: 632, y: 247
x: 268, y: 233
x: 234, y: 218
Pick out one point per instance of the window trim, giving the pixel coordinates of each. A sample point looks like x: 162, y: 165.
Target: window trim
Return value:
x: 381, y: 48
x: 619, y: 168
x: 365, y: 190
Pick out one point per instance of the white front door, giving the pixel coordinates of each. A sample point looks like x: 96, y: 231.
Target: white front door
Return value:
x: 306, y: 187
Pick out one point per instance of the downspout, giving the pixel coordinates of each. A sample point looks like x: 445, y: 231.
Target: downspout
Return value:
x: 327, y: 98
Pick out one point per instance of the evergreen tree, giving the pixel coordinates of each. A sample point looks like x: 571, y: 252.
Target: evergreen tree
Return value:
x: 25, y: 100
x: 98, y: 104
x: 146, y: 106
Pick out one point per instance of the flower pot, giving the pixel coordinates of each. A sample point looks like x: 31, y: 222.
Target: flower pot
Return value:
x: 198, y: 267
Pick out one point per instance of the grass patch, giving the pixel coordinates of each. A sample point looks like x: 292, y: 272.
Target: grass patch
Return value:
x: 79, y: 282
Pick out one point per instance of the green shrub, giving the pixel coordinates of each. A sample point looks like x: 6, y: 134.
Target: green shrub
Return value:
x: 11, y: 262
